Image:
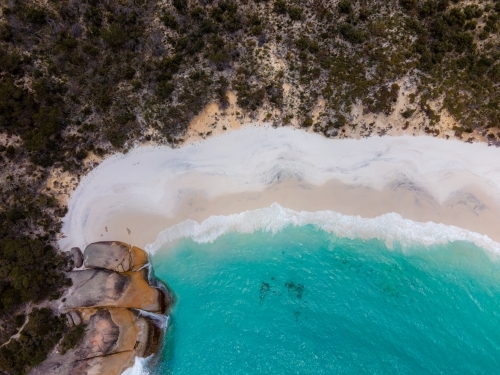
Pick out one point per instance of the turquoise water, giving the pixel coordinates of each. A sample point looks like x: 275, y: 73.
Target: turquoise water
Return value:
x: 303, y: 301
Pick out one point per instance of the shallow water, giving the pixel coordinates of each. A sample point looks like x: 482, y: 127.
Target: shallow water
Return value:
x: 305, y: 301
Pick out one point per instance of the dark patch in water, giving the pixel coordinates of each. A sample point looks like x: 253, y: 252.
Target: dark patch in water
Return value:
x: 296, y: 314
x: 264, y: 289
x: 297, y: 289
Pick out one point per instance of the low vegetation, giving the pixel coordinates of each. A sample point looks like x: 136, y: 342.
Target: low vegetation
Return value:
x: 42, y: 332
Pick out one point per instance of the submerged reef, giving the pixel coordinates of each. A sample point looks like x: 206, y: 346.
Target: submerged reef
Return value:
x: 110, y: 288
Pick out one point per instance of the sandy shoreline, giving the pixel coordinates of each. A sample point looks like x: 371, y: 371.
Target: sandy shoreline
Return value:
x: 472, y: 210
x: 135, y: 196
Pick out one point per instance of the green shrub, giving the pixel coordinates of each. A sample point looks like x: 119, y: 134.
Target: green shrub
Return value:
x: 428, y: 8
x: 22, y: 263
x: 222, y: 60
x: 35, y: 15
x: 307, y: 123
x: 17, y: 107
x: 408, y: 4
x: 169, y: 21
x: 93, y: 15
x: 66, y: 41
x: 115, y: 35
x: 5, y: 32
x: 494, y: 73
x: 345, y: 6
x: 295, y: 13
x: 47, y: 124
x: 19, y: 320
x: 279, y: 6
x: 180, y: 5
x: 383, y: 99
x: 102, y: 97
x: 407, y: 113
x: 351, y: 34
x: 72, y: 338
x: 472, y: 11
x: 10, y: 151
x: 10, y: 62
x: 164, y: 89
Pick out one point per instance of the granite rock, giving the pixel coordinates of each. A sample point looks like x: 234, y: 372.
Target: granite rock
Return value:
x: 102, y: 297
x: 115, y: 256
x: 104, y: 288
x: 77, y: 256
x: 113, y: 338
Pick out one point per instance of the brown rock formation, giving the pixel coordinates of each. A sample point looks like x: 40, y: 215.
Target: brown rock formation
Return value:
x: 77, y: 256
x: 115, y: 256
x: 104, y: 288
x: 102, y: 297
x: 112, y: 340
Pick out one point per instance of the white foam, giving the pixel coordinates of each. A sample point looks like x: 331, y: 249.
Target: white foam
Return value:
x: 159, y: 319
x: 139, y: 367
x: 390, y: 228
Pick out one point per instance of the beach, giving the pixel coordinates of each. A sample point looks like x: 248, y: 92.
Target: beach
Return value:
x: 405, y: 192
x: 133, y: 197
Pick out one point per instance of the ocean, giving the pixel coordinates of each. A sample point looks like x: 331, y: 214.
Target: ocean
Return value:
x: 304, y: 300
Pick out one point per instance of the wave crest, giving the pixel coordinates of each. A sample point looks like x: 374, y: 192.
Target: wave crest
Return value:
x: 390, y: 228
x: 139, y: 367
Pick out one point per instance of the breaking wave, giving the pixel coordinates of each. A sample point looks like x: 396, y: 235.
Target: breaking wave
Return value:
x: 139, y: 367
x: 391, y: 228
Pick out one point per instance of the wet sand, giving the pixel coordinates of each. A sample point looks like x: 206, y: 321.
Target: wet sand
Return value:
x: 470, y: 208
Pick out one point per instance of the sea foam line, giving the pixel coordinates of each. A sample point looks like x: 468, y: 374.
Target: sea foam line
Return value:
x: 139, y: 367
x: 391, y: 228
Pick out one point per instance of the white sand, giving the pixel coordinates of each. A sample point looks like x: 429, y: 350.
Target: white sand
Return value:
x: 134, y: 197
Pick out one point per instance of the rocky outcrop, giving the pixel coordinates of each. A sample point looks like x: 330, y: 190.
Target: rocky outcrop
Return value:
x: 104, y: 288
x: 106, y: 296
x: 115, y: 256
x: 77, y: 255
x: 113, y: 338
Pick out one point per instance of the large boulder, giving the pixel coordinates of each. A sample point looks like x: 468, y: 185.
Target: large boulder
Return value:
x: 115, y: 256
x: 77, y: 257
x: 104, y: 288
x: 74, y: 259
x: 113, y: 330
x: 113, y: 338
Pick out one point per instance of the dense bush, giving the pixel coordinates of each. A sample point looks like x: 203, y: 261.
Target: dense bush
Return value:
x: 42, y: 332
x: 115, y: 35
x: 72, y: 338
x: 351, y: 34
x: 31, y: 270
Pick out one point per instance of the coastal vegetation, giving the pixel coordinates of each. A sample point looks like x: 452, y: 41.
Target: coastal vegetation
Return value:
x: 89, y: 78
x: 42, y: 332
